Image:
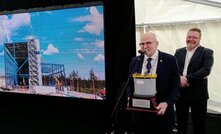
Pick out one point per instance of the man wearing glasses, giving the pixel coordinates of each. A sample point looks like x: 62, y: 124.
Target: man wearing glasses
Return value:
x: 153, y: 61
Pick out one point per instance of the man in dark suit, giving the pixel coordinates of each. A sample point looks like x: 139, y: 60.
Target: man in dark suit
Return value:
x: 195, y: 63
x: 167, y: 87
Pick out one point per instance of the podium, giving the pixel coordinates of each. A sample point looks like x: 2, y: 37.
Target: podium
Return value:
x: 143, y: 99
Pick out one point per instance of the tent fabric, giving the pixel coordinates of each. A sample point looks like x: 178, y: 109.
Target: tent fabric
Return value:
x: 170, y: 11
x: 171, y: 20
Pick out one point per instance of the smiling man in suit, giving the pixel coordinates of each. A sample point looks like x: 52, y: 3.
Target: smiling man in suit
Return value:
x: 167, y: 86
x: 195, y: 64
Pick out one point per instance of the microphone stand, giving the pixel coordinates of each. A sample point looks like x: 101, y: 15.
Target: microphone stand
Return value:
x: 125, y: 87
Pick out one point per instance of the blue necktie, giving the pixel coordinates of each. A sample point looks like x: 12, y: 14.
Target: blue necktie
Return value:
x: 148, y: 65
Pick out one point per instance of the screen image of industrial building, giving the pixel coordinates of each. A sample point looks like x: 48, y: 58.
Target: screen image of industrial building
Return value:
x: 24, y: 71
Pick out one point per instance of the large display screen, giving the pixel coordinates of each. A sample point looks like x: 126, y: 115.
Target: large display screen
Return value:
x: 55, y: 52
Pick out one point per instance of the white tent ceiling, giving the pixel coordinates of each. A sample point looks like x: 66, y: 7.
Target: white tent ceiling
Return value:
x: 173, y: 11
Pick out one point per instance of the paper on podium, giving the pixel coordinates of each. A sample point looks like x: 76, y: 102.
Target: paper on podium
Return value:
x: 144, y: 85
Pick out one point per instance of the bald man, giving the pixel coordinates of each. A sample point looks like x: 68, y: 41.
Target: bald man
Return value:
x: 167, y: 86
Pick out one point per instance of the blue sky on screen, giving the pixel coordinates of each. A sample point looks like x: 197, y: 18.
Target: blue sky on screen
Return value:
x: 73, y: 37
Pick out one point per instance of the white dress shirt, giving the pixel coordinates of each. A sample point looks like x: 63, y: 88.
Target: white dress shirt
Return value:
x: 189, y: 55
x: 153, y: 63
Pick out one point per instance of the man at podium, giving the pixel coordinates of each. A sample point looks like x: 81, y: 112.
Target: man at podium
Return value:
x: 163, y: 67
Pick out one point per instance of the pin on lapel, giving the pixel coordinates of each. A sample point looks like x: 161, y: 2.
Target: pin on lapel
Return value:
x: 161, y: 60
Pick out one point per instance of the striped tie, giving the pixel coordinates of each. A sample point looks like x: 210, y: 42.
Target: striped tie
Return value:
x: 148, y: 65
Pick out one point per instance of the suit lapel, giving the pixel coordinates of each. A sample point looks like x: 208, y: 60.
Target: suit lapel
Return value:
x: 183, y: 56
x: 160, y: 63
x: 196, y: 54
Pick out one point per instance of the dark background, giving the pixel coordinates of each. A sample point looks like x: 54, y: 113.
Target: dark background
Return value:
x: 38, y: 114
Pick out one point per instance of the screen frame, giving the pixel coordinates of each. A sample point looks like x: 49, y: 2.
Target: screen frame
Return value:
x: 68, y: 6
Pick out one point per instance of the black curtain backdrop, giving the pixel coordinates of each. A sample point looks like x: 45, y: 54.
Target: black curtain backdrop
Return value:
x: 37, y: 114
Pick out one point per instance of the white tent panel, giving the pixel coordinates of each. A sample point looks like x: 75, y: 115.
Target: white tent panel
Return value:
x: 164, y: 11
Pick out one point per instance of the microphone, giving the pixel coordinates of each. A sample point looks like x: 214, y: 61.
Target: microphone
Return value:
x: 142, y: 51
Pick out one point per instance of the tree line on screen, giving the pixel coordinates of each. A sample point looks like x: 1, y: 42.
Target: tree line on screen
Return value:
x: 74, y: 82
x: 92, y: 85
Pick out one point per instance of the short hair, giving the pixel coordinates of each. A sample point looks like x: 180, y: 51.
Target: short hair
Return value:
x: 195, y: 30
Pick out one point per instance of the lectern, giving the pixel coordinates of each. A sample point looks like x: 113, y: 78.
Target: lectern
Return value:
x: 143, y: 99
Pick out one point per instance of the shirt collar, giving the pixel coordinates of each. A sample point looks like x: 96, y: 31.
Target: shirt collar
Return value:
x: 193, y: 50
x: 154, y: 56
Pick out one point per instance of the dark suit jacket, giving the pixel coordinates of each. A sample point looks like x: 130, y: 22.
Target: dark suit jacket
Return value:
x: 167, y: 81
x: 167, y: 86
x: 199, y: 68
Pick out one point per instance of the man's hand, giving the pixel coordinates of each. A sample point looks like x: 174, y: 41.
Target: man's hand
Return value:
x: 161, y: 108
x: 184, y: 81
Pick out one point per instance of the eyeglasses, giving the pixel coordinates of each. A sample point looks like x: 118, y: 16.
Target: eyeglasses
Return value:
x: 146, y: 43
